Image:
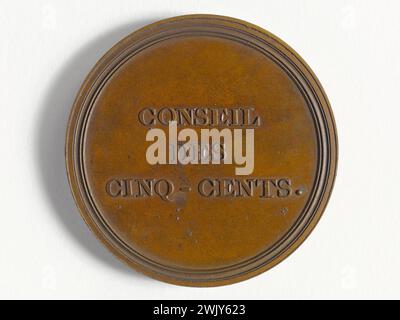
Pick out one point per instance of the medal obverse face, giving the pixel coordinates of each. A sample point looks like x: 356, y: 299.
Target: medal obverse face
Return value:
x: 201, y: 150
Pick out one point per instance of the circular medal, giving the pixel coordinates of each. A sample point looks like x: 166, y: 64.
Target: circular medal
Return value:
x: 201, y: 150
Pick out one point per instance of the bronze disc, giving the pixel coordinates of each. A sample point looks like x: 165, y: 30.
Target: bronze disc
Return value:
x: 231, y: 211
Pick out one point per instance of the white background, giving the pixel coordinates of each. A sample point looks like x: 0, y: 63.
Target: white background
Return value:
x: 47, y: 48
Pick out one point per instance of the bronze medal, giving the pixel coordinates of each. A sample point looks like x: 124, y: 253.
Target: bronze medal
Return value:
x: 201, y: 150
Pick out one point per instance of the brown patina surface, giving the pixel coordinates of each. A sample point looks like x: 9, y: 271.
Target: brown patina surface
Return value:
x: 220, y: 234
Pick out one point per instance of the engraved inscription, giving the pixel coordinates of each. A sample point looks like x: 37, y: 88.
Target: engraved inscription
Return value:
x: 236, y: 135
x: 238, y: 188
x: 140, y: 188
x: 225, y: 187
x: 197, y: 117
x: 232, y: 144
